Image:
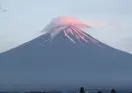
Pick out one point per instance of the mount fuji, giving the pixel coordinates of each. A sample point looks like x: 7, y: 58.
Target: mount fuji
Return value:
x: 71, y: 57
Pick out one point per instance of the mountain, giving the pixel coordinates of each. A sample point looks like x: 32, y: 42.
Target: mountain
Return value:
x: 59, y: 61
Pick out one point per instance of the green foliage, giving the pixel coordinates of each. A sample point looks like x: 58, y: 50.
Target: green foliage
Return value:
x: 113, y: 91
x: 99, y: 92
x: 82, y: 90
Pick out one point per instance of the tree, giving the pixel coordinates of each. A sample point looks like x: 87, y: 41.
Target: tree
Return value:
x: 82, y: 90
x: 113, y: 91
x: 99, y: 92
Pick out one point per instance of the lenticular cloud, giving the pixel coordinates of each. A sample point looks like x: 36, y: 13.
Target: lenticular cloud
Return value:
x: 70, y: 27
x: 62, y: 22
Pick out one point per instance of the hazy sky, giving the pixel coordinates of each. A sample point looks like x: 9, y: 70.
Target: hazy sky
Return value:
x: 25, y: 19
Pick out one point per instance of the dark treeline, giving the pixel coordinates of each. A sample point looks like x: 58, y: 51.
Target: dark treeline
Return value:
x: 112, y: 91
x: 82, y: 90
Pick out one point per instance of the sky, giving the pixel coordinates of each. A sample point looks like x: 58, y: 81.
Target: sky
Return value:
x: 25, y: 19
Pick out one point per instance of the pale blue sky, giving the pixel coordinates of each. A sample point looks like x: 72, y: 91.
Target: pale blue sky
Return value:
x: 26, y: 18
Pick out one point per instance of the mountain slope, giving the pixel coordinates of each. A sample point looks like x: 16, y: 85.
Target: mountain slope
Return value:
x: 59, y: 61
